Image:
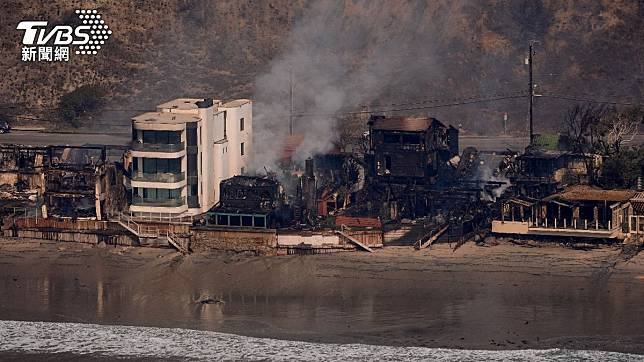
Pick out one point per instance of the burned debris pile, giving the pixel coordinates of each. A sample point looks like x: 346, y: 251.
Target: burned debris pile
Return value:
x: 410, y: 171
x: 60, y: 181
x: 407, y: 184
x: 411, y: 176
x: 248, y: 201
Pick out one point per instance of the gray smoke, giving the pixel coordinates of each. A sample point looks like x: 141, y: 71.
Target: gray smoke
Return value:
x: 339, y: 59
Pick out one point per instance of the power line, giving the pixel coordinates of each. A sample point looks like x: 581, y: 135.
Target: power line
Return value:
x: 440, y: 100
x: 590, y: 100
x: 455, y: 102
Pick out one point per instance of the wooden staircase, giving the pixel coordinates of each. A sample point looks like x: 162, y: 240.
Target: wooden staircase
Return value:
x: 354, y: 241
x: 152, y: 235
x: 430, y: 238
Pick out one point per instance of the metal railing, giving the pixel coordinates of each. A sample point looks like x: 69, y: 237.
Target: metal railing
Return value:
x: 160, y: 217
x: 180, y: 242
x: 138, y: 229
x: 146, y: 201
x: 159, y: 177
x: 574, y: 224
x: 158, y: 147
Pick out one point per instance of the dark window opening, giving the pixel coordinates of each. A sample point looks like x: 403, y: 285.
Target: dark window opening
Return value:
x: 192, y: 164
x: 162, y: 137
x: 259, y: 222
x: 413, y: 139
x: 242, y: 148
x: 161, y: 194
x: 247, y: 221
x: 191, y: 135
x: 235, y: 220
x: 193, y: 190
x: 150, y: 193
x: 241, y: 124
x: 222, y: 219
x: 225, y: 121
x: 388, y: 162
x: 391, y: 138
x: 159, y: 165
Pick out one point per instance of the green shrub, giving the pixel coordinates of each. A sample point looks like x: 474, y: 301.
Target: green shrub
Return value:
x: 546, y: 141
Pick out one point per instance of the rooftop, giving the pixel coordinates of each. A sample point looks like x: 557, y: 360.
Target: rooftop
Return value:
x: 184, y: 103
x: 248, y: 181
x: 588, y: 193
x: 236, y: 103
x: 164, y: 117
x: 638, y: 203
x: 290, y: 145
x: 407, y: 124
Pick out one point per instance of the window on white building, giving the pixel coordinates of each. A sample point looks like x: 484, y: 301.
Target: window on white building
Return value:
x: 241, y: 124
x: 242, y: 148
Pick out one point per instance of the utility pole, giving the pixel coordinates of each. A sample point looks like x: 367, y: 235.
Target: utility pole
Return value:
x: 530, y: 92
x: 290, y: 117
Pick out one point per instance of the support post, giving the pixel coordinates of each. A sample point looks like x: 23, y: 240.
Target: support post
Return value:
x: 530, y: 91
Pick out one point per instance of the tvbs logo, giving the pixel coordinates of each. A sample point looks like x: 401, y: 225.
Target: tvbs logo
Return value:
x: 43, y: 44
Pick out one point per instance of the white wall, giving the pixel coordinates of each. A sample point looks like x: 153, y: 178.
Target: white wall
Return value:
x: 315, y: 239
x: 218, y: 158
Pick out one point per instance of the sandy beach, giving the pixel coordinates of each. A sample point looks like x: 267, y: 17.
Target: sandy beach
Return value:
x: 476, y: 297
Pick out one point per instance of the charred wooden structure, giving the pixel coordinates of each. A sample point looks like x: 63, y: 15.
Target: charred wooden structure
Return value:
x: 540, y: 173
x: 578, y: 211
x: 250, y: 202
x: 404, y: 149
x: 62, y: 181
x: 21, y: 178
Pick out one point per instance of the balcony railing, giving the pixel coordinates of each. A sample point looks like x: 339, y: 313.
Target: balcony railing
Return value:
x: 159, y: 177
x: 158, y: 147
x: 573, y: 224
x: 144, y: 201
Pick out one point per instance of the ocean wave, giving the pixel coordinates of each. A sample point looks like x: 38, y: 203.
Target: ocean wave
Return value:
x: 187, y: 344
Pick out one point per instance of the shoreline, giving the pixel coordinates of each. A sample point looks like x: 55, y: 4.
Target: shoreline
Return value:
x: 503, y: 297
x: 73, y: 341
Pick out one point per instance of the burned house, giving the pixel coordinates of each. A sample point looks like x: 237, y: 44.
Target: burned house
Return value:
x: 541, y: 173
x: 73, y: 182
x: 61, y: 181
x: 248, y: 201
x: 410, y: 149
x: 21, y: 178
x: 578, y: 211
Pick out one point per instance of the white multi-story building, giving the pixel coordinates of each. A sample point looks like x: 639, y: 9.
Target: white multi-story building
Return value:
x: 181, y: 152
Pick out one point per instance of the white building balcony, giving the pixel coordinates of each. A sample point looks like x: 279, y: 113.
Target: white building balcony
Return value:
x: 158, y: 147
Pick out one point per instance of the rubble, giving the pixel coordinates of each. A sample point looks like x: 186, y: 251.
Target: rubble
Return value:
x: 60, y: 181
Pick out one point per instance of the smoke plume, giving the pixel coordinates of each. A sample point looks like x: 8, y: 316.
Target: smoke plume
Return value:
x: 343, y: 55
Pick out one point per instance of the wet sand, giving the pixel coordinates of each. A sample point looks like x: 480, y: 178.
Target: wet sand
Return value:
x: 496, y: 297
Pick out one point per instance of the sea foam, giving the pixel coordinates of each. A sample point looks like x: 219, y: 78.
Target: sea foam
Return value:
x: 187, y: 344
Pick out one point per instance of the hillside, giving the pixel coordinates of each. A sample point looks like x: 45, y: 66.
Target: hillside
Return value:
x: 387, y: 52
